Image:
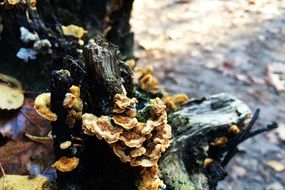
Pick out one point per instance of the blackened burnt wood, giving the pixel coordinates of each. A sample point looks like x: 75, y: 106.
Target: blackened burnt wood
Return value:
x: 102, y: 64
x: 100, y: 76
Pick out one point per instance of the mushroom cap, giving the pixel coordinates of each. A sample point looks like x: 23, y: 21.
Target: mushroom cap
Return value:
x: 42, y: 106
x: 65, y: 164
x: 125, y: 122
x: 101, y: 127
x: 122, y: 102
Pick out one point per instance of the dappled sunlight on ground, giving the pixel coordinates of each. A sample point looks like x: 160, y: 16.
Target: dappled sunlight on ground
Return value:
x: 206, y: 47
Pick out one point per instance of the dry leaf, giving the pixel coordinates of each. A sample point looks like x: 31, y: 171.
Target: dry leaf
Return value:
x: 22, y: 155
x: 276, y: 76
x: 12, y: 125
x: 10, y: 98
x: 10, y: 81
x: 275, y: 165
x: 11, y: 95
x: 73, y: 30
x: 22, y: 182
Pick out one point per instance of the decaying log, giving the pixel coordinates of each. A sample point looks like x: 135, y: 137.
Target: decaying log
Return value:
x: 195, y: 124
x: 206, y: 131
x: 99, y: 79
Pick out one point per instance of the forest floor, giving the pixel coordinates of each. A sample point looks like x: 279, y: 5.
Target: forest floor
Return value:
x: 204, y: 47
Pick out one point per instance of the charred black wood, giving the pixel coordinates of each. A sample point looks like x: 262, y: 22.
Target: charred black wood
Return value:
x: 96, y: 76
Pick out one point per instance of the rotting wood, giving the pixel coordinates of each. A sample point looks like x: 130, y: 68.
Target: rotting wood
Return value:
x: 202, y: 143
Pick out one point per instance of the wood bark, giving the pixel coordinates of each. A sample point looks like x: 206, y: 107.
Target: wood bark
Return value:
x: 195, y: 125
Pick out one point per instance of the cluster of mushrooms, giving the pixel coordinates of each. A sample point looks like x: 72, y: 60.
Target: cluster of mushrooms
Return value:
x: 139, y: 143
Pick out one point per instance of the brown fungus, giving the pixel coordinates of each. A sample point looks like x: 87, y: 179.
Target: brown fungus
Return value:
x: 125, y: 122
x: 132, y: 139
x: 119, y: 150
x: 65, y: 145
x: 73, y: 30
x: 220, y: 141
x: 139, y: 143
x: 65, y: 164
x: 172, y: 102
x: 146, y: 80
x: 137, y: 152
x: 123, y: 103
x: 150, y: 179
x: 42, y: 106
x: 101, y: 127
x: 234, y: 129
x: 72, y: 100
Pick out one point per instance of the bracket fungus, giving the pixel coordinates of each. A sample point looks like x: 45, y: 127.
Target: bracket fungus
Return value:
x: 101, y: 127
x: 146, y: 80
x: 73, y: 30
x: 42, y: 106
x: 139, y: 143
x: 72, y: 100
x: 65, y: 164
x: 172, y: 102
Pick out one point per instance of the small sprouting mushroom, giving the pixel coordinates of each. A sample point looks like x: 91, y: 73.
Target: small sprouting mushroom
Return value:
x: 174, y: 101
x: 72, y: 100
x: 42, y: 106
x: 65, y: 164
x: 65, y: 145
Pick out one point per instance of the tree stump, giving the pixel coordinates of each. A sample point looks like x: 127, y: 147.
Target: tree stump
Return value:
x: 205, y: 132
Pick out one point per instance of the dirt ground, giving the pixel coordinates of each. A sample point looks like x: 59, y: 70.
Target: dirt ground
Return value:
x: 203, y: 47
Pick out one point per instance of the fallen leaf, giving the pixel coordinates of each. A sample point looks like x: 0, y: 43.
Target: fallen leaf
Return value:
x: 13, y: 124
x: 23, y: 182
x: 19, y: 154
x: 275, y: 76
x: 73, y: 30
x: 26, y: 157
x: 10, y: 81
x: 275, y: 165
x: 11, y: 95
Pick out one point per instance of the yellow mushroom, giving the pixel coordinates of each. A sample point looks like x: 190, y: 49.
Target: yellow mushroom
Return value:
x: 65, y: 145
x: 42, y: 106
x: 65, y: 164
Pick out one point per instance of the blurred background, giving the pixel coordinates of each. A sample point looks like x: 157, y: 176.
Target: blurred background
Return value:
x: 204, y: 47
